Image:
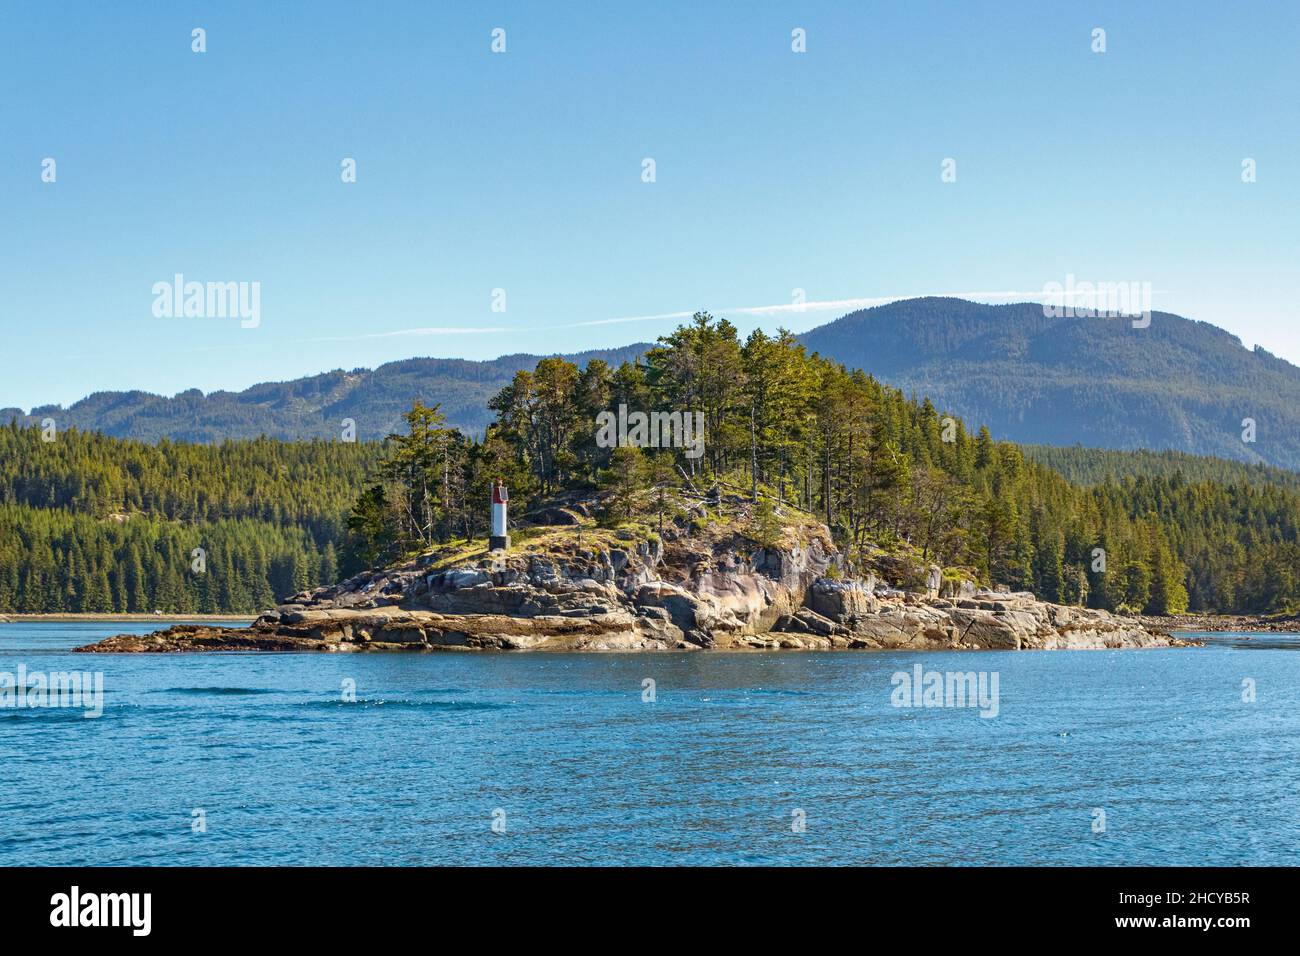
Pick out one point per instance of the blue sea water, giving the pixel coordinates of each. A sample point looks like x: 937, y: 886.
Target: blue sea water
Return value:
x: 732, y: 754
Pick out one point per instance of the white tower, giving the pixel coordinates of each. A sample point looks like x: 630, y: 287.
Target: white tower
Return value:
x: 500, y: 538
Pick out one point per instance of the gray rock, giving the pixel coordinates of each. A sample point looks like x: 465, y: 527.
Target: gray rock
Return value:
x: 458, y: 578
x: 553, y: 516
x: 682, y: 606
x: 814, y: 623
x: 840, y: 601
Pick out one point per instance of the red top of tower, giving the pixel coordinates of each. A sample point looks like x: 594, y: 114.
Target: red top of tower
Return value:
x: 499, y: 495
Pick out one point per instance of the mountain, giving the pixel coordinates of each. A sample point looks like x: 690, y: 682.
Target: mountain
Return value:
x: 1177, y: 384
x: 311, y: 407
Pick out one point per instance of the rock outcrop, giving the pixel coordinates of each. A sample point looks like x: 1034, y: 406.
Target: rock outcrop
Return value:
x: 694, y: 588
x: 845, y: 615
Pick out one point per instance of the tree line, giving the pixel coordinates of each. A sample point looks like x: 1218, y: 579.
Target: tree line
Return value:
x: 89, y: 522
x: 52, y: 560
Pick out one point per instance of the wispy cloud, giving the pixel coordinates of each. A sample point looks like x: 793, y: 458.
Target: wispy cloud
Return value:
x: 798, y: 308
x: 777, y: 309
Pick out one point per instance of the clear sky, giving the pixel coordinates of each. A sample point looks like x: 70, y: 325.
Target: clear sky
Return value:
x: 522, y: 171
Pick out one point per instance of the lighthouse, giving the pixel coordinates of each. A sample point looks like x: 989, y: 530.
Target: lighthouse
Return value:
x: 500, y: 540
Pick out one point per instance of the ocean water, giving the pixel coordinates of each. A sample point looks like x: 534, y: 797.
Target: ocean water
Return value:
x: 746, y: 758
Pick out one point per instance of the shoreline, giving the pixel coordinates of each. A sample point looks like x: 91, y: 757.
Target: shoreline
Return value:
x: 1015, y: 623
x: 73, y: 617
x: 1225, y: 623
x: 1174, y: 626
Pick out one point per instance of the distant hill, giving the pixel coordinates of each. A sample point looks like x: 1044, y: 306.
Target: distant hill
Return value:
x: 1178, y: 384
x: 309, y: 407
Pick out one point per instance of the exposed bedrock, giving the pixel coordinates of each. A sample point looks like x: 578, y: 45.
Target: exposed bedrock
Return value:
x: 719, y: 593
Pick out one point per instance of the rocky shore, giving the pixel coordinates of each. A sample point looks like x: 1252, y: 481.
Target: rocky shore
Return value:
x: 1241, y: 623
x: 706, y: 588
x: 91, y: 616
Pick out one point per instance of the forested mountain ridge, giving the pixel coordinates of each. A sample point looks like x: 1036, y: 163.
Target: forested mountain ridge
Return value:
x: 1177, y: 384
x: 304, y: 408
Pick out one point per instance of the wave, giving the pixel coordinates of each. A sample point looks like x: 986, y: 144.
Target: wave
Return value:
x: 408, y: 704
x: 48, y: 713
x: 221, y: 691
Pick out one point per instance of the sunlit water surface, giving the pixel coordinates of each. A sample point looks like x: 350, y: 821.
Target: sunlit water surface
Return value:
x: 734, y: 752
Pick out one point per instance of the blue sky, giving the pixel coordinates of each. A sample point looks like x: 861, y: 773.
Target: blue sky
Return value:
x: 775, y: 171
